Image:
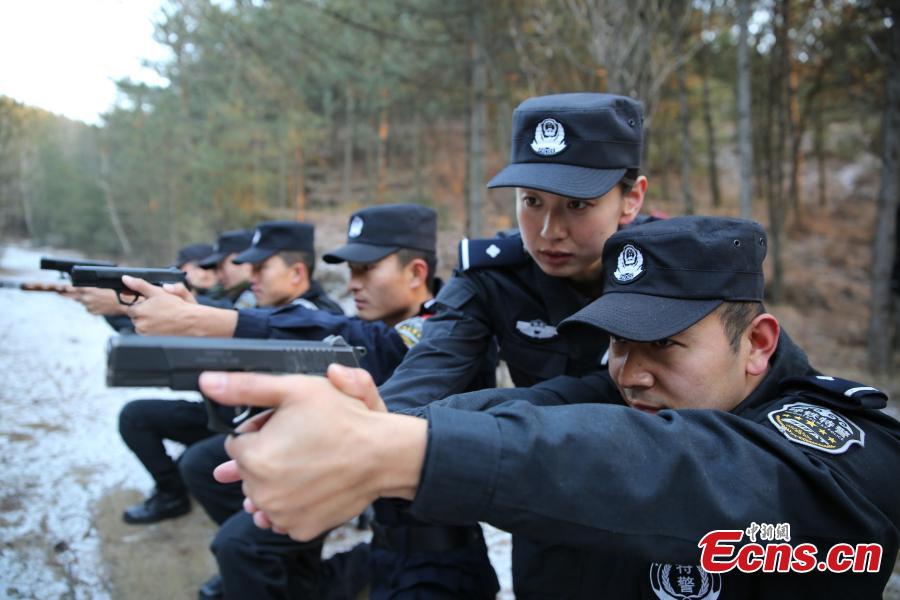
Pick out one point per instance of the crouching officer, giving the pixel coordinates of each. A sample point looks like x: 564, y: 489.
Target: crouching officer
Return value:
x: 233, y: 288
x: 390, y: 251
x: 281, y: 256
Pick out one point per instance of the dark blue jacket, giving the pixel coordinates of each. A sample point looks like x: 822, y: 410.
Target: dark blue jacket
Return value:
x: 630, y: 494
x: 504, y: 299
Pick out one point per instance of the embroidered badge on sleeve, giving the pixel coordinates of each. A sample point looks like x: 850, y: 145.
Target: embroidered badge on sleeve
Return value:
x: 817, y: 427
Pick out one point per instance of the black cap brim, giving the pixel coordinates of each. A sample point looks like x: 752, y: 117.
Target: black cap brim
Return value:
x: 212, y: 260
x: 564, y: 180
x: 253, y: 255
x: 640, y: 317
x: 359, y: 253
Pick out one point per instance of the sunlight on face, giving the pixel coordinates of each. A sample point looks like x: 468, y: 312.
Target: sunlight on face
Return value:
x: 696, y: 368
x: 381, y: 290
x: 565, y: 236
x: 274, y: 283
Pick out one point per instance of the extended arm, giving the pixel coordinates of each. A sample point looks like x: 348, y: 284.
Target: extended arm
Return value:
x: 450, y: 354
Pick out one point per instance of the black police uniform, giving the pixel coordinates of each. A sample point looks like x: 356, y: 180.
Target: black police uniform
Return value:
x: 631, y: 494
x: 258, y: 563
x: 645, y: 489
x: 574, y: 145
x: 517, y: 306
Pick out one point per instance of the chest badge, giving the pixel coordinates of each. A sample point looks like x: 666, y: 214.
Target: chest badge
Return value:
x: 684, y: 582
x: 536, y: 329
x: 549, y: 138
x: 817, y: 427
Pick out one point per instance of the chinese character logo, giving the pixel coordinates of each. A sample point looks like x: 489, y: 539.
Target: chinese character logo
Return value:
x: 684, y: 582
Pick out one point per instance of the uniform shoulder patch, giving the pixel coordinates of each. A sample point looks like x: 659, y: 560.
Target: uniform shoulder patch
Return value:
x: 492, y: 252
x: 841, y: 393
x: 410, y: 330
x: 817, y: 427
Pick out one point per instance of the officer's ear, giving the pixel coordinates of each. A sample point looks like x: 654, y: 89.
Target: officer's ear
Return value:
x: 418, y: 272
x: 761, y: 338
x: 633, y: 201
x: 299, y: 273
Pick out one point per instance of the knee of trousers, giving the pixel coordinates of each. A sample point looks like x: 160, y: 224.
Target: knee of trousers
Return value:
x: 133, y: 415
x: 233, y: 544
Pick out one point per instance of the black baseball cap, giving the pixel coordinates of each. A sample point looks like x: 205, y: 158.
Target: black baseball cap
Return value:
x: 575, y: 145
x: 663, y: 276
x: 192, y: 252
x: 377, y: 231
x: 229, y: 242
x: 272, y: 237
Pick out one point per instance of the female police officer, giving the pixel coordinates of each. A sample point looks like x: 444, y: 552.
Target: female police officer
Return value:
x: 574, y: 162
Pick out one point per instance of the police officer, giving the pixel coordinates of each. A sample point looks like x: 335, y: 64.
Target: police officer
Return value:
x: 233, y: 289
x: 285, y: 249
x: 574, y: 161
x: 709, y: 419
x: 200, y: 280
x: 390, y: 250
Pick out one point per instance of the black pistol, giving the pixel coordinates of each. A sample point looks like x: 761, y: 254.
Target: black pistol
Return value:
x: 65, y: 265
x: 111, y: 278
x: 176, y: 363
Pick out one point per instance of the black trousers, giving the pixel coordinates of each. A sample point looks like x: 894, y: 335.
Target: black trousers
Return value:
x: 257, y: 563
x: 144, y: 424
x: 196, y: 465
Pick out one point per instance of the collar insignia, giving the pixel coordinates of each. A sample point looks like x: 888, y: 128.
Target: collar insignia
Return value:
x: 536, y: 329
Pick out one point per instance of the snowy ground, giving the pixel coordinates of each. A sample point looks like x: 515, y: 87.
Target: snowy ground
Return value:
x: 66, y: 474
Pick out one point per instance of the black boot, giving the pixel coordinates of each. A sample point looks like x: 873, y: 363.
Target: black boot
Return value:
x: 212, y: 589
x: 161, y: 505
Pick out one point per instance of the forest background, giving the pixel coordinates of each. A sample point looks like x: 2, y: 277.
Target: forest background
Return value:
x: 785, y: 111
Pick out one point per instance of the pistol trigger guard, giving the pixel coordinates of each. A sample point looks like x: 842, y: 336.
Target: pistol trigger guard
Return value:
x: 123, y: 303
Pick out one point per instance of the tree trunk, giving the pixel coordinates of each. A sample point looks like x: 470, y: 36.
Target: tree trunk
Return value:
x: 819, y: 144
x: 712, y: 168
x: 349, y: 137
x: 111, y: 210
x: 776, y: 161
x: 418, y: 155
x: 300, y: 181
x: 477, y: 109
x: 745, y: 142
x: 883, y: 252
x: 794, y: 129
x: 25, y: 166
x: 684, y: 115
x: 381, y: 151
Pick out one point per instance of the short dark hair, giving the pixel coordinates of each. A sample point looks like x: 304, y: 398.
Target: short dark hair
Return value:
x: 292, y: 257
x: 736, y: 318
x: 407, y: 255
x: 629, y: 179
